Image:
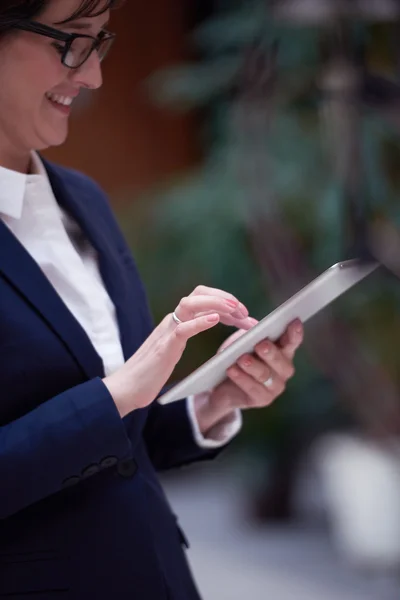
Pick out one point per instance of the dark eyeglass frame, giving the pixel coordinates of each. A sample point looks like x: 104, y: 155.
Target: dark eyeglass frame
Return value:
x: 68, y: 39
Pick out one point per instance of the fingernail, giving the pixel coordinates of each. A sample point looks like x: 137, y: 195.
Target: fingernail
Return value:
x: 253, y: 321
x: 234, y: 372
x: 231, y: 303
x: 246, y: 362
x: 212, y: 318
x: 265, y: 348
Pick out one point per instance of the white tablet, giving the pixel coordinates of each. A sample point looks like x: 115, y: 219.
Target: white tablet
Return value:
x: 303, y: 305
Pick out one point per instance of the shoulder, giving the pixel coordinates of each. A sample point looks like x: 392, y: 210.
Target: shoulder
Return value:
x: 88, y: 194
x: 83, y: 188
x: 75, y: 179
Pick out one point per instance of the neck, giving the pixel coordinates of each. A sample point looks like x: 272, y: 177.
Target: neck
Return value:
x: 20, y: 162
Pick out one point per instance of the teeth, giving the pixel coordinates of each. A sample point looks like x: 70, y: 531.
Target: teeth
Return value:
x: 65, y: 100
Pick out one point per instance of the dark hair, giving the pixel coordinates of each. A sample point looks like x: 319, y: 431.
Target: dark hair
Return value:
x: 13, y: 11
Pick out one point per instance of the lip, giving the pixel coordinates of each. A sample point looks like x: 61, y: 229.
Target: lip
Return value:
x: 66, y: 110
x: 72, y: 94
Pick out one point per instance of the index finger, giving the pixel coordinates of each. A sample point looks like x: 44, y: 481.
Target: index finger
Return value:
x: 203, y: 290
x: 291, y: 339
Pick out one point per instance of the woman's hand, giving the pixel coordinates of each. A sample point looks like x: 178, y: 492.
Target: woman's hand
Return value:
x: 139, y: 381
x: 254, y: 382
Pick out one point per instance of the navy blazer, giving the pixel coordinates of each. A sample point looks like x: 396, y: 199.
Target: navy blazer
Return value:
x: 82, y: 514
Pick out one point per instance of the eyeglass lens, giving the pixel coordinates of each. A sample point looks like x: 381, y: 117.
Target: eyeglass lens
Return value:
x: 81, y: 48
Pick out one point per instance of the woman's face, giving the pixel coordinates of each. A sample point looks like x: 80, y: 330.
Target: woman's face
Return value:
x: 31, y: 72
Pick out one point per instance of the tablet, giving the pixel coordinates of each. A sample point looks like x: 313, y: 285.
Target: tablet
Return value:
x: 303, y: 305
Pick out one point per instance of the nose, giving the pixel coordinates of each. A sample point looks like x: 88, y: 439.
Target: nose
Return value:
x: 89, y: 75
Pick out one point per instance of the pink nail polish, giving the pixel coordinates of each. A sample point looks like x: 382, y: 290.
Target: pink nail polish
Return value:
x: 231, y: 303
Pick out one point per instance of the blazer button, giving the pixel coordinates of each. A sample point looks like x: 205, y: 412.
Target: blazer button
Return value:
x: 91, y: 470
x: 127, y: 468
x: 108, y: 461
x: 71, y: 481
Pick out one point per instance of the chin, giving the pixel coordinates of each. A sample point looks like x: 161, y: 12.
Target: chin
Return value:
x: 53, y: 139
x: 59, y: 141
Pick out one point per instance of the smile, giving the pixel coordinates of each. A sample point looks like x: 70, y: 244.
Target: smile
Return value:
x: 60, y: 103
x: 64, y: 100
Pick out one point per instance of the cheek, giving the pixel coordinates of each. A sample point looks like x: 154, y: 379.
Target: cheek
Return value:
x: 28, y: 72
x: 41, y: 78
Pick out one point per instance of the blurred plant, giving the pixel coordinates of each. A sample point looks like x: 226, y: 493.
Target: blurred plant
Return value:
x: 300, y: 153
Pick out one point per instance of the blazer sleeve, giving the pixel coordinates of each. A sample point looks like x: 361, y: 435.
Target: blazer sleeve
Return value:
x: 68, y: 438
x: 170, y: 439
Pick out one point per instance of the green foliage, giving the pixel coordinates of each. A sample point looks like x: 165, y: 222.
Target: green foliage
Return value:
x: 195, y: 230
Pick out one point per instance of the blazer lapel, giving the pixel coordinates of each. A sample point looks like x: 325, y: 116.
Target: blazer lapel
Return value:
x: 98, y: 233
x: 19, y: 268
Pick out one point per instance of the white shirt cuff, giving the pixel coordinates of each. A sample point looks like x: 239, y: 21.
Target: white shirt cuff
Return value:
x: 220, y: 434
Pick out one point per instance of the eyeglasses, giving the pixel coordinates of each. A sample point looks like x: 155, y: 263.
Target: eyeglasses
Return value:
x: 75, y: 48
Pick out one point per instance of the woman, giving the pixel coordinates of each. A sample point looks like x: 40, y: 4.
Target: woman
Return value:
x: 82, y: 513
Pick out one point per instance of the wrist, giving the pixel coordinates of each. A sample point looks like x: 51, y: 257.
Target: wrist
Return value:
x: 120, y: 395
x: 209, y: 411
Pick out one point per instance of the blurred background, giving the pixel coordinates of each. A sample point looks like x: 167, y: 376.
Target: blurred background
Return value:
x: 248, y: 145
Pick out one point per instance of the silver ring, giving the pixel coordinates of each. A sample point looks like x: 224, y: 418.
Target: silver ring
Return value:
x: 176, y: 319
x: 269, y: 382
